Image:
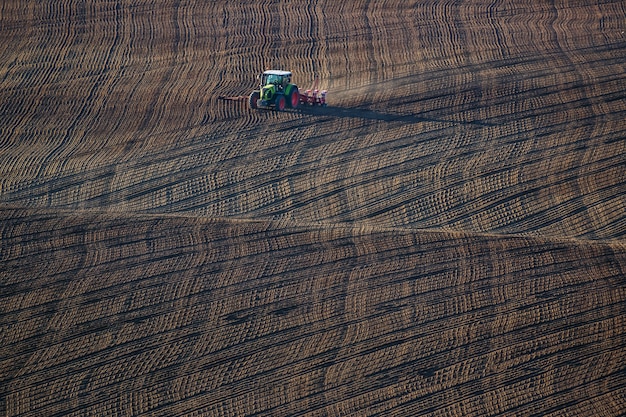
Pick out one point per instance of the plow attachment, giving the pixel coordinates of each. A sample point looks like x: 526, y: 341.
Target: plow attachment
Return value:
x: 233, y: 98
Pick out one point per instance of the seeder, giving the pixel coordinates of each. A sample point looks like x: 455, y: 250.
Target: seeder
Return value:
x: 313, y: 96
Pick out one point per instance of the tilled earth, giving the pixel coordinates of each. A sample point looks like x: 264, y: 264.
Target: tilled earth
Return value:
x: 447, y: 237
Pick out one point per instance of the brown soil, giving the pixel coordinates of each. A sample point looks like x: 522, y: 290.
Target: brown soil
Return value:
x: 446, y: 238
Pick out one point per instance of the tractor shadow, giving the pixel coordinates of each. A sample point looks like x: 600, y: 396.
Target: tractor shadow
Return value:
x: 367, y: 114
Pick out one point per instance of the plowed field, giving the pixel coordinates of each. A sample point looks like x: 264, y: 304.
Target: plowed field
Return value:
x: 446, y: 238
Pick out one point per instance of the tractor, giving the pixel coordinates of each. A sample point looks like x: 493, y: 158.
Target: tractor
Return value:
x: 275, y: 90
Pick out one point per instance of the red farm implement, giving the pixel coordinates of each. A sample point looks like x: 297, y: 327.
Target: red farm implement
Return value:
x: 313, y: 96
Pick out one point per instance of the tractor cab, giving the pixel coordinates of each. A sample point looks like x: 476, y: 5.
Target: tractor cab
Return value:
x: 278, y: 78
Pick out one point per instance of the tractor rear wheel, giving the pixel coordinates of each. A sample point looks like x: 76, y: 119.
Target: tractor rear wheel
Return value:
x: 294, y: 98
x: 254, y: 97
x: 280, y: 103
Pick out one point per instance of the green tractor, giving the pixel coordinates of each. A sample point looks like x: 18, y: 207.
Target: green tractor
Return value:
x: 275, y: 90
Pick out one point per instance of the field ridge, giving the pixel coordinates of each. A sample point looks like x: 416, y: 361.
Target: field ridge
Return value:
x: 17, y: 210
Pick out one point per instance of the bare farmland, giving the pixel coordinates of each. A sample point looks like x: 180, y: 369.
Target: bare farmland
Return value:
x: 446, y: 238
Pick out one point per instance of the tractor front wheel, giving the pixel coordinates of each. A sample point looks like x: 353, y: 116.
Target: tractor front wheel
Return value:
x: 280, y: 103
x: 254, y: 98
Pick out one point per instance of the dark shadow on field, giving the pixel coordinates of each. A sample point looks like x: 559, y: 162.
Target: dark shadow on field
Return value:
x: 361, y: 113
